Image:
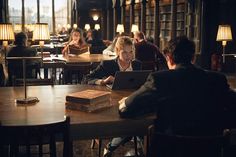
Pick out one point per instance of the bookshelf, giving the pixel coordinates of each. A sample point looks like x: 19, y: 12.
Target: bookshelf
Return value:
x: 192, y: 24
x: 165, y: 21
x: 149, y: 21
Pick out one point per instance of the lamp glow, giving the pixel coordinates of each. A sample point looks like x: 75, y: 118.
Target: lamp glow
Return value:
x: 6, y: 34
x: 224, y: 34
x: 95, y: 17
x: 134, y: 28
x: 87, y: 27
x: 120, y: 28
x: 75, y: 26
x: 97, y: 26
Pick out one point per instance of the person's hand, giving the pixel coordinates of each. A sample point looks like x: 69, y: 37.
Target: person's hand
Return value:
x: 108, y: 80
x: 73, y: 42
x: 122, y: 103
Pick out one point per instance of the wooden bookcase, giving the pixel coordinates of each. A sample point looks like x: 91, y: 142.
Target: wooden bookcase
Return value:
x: 165, y: 21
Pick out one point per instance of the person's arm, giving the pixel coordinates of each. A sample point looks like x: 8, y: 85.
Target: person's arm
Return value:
x: 140, y: 102
x: 97, y: 75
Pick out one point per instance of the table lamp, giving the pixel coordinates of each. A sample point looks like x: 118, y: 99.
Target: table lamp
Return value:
x: 224, y: 34
x: 134, y: 28
x: 97, y: 26
x: 17, y: 28
x: 120, y: 28
x: 87, y: 27
x: 6, y: 34
x: 75, y: 26
x: 41, y: 34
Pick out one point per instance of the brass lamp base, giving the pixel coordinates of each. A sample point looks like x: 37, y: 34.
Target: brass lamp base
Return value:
x: 29, y: 100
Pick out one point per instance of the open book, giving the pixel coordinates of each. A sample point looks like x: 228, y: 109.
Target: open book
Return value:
x: 77, y: 51
x: 54, y: 58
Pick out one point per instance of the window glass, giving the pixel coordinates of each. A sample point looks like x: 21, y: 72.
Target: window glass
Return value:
x: 30, y: 11
x: 46, y: 12
x: 15, y: 11
x: 60, y: 14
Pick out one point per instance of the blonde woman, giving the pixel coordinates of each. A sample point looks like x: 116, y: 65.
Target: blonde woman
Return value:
x: 105, y: 72
x: 76, y: 40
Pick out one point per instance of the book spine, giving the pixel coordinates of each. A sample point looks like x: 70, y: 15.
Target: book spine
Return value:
x: 87, y: 108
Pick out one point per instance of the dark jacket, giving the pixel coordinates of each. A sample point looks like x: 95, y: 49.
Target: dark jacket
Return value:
x: 107, y: 68
x: 97, y: 46
x: 187, y: 100
x: 146, y: 51
x: 15, y: 66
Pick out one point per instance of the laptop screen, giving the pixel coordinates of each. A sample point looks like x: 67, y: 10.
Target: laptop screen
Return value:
x: 129, y: 79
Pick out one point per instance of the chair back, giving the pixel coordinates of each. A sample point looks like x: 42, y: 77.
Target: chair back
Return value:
x: 29, y: 135
x: 163, y: 145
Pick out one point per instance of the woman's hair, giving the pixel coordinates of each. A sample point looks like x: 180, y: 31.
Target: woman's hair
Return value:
x: 81, y: 40
x: 122, y: 41
x: 20, y: 39
x: 182, y: 49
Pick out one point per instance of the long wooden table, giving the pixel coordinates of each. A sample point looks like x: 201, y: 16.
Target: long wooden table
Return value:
x: 81, y: 61
x: 51, y: 108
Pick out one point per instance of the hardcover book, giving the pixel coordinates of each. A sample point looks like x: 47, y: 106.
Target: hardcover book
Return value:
x: 88, y: 97
x: 87, y: 107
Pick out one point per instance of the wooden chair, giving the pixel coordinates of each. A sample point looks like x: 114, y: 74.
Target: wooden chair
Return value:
x: 39, y: 135
x: 77, y: 70
x: 163, y: 145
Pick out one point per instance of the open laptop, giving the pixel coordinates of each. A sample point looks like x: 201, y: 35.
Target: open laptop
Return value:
x: 129, y: 79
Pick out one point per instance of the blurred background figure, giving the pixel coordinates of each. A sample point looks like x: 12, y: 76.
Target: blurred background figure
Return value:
x: 110, y: 50
x: 63, y: 31
x: 146, y: 52
x: 96, y: 43
x: 88, y: 36
x: 22, y: 50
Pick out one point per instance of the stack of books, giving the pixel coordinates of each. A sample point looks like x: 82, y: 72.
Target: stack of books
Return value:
x: 88, y: 100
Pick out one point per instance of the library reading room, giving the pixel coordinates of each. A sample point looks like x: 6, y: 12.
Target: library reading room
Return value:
x: 117, y: 78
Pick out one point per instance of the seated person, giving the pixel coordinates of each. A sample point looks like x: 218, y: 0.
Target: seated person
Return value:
x: 105, y: 72
x: 110, y: 50
x: 146, y: 51
x: 76, y: 40
x: 186, y: 99
x: 21, y: 50
x: 88, y: 36
x: 97, y: 45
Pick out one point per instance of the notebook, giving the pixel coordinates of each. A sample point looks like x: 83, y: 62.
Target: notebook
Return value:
x: 129, y: 79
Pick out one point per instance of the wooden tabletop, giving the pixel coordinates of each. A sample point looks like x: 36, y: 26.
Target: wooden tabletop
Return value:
x: 51, y: 108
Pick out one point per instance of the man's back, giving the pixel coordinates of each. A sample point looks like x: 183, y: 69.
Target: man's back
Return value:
x: 187, y: 100
x: 15, y: 66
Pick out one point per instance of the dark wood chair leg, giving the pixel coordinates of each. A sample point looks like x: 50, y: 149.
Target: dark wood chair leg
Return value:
x: 92, y: 144
x: 135, y: 146
x: 99, y: 147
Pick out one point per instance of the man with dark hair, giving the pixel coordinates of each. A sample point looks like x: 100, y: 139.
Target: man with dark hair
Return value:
x: 21, y: 50
x: 146, y: 52
x: 186, y: 99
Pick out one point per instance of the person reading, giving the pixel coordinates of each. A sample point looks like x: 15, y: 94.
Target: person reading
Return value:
x: 76, y: 41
